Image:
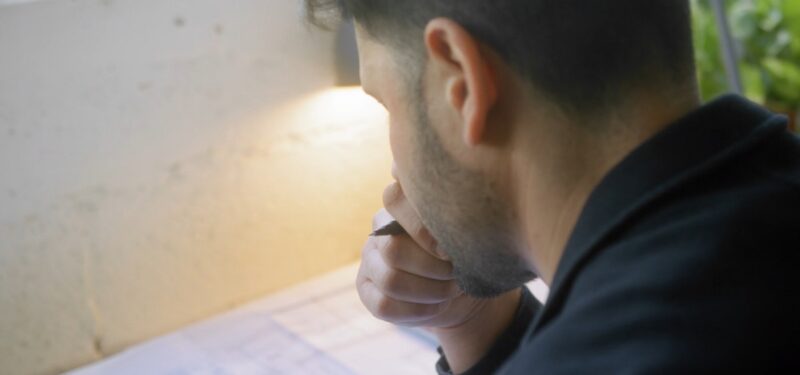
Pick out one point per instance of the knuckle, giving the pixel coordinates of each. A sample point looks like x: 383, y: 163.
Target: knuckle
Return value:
x: 383, y: 309
x: 363, y: 294
x: 427, y: 311
x: 392, y: 252
x: 368, y: 246
x: 434, y: 310
x: 392, y: 282
x: 360, y: 276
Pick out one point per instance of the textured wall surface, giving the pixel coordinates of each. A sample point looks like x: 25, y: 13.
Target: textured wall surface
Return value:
x: 165, y: 160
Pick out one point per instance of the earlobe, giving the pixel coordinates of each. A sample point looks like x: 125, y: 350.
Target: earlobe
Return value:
x: 470, y: 83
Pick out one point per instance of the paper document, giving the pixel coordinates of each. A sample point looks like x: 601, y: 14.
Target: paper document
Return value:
x: 319, y: 327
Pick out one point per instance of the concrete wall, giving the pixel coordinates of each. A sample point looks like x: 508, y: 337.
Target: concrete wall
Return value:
x: 165, y: 160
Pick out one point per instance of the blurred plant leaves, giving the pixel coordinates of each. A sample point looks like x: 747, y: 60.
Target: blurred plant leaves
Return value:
x: 768, y: 46
x: 784, y: 80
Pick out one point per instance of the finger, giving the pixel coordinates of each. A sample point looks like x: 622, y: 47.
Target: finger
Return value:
x: 381, y: 219
x: 400, y: 208
x: 406, y: 287
x: 402, y: 253
x: 371, y: 245
x: 393, y: 311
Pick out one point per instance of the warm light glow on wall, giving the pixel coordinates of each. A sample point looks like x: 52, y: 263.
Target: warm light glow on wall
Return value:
x: 341, y: 103
x: 341, y: 116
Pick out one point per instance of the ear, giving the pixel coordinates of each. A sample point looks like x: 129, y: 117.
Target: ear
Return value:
x: 470, y: 82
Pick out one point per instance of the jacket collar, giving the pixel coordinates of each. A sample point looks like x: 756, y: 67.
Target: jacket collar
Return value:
x: 686, y: 149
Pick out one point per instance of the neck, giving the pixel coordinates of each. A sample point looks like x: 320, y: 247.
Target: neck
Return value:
x: 556, y: 169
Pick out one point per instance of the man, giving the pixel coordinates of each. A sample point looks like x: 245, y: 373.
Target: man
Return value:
x: 566, y: 139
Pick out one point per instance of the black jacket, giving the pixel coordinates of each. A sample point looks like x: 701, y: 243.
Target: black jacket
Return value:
x: 683, y: 261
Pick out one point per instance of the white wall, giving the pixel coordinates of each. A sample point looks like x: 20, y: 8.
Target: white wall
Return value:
x: 165, y: 160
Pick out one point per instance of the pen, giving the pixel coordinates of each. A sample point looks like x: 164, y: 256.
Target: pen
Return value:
x: 392, y: 229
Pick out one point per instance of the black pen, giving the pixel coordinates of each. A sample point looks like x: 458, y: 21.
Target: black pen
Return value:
x: 392, y: 229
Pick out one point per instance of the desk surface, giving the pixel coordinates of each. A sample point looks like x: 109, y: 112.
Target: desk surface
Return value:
x: 318, y: 327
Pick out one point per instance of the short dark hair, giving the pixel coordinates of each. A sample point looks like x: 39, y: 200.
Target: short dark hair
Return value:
x: 579, y: 54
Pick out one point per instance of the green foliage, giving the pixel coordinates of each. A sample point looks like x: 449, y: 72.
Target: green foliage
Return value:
x: 768, y: 44
x: 710, y: 68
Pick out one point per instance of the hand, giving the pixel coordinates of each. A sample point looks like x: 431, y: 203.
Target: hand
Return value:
x: 404, y: 279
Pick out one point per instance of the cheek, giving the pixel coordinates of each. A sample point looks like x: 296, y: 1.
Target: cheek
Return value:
x: 401, y: 142
x: 405, y: 154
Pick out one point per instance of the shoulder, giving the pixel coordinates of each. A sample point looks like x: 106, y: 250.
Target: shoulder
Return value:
x: 703, y: 280
x: 750, y: 202
x: 779, y: 160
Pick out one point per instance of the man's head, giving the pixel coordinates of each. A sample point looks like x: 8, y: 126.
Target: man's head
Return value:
x: 456, y: 75
x: 578, y: 53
